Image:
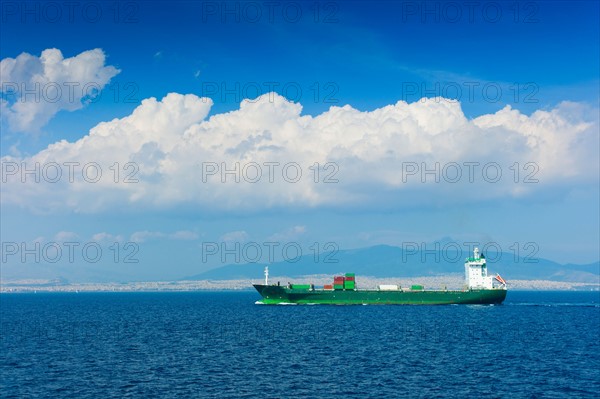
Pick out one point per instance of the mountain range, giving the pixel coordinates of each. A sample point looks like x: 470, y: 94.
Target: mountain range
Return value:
x: 391, y: 261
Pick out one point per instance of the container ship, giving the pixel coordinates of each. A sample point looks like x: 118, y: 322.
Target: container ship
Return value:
x: 480, y: 288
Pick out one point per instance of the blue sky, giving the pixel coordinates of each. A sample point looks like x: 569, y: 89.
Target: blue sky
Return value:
x: 526, y: 73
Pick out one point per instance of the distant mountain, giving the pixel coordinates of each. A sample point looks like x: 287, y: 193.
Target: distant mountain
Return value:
x: 390, y: 261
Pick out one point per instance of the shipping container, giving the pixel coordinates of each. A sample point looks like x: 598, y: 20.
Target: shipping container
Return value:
x: 350, y: 279
x: 416, y: 287
x: 328, y: 287
x: 301, y: 286
x: 350, y: 275
x: 388, y: 287
x: 338, y: 287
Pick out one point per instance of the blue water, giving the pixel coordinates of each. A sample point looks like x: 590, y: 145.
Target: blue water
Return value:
x: 222, y: 345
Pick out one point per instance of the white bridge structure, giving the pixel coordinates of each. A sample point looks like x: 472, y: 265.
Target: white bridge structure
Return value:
x: 476, y: 273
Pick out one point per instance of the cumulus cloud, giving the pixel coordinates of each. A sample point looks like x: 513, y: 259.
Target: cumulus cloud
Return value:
x: 34, y: 89
x: 63, y: 236
x: 235, y: 236
x: 168, y: 155
x: 182, y: 235
x: 106, y: 237
x: 143, y: 236
x: 293, y: 233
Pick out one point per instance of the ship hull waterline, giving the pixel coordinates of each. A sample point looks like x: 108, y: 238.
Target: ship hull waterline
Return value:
x: 275, y: 294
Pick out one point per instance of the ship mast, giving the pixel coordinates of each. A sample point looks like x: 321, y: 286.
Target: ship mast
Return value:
x: 266, y: 275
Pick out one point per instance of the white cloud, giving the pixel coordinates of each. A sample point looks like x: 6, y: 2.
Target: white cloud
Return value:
x: 163, y: 145
x: 293, y: 233
x: 65, y: 236
x: 37, y: 88
x: 235, y: 236
x: 106, y: 237
x: 184, y: 235
x: 143, y: 236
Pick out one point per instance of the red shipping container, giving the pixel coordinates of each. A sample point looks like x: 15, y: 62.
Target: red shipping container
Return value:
x: 350, y: 279
x: 328, y: 287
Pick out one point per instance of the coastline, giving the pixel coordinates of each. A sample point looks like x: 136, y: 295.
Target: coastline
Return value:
x: 451, y: 282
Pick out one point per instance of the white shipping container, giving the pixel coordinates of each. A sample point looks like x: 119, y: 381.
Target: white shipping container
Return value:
x: 388, y: 287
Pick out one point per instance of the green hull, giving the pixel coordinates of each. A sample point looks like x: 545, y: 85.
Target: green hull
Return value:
x: 274, y: 294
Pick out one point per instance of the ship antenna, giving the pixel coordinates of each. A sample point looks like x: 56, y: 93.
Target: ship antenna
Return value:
x: 267, y: 275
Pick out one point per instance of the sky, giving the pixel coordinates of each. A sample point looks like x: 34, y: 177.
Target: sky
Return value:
x: 149, y: 140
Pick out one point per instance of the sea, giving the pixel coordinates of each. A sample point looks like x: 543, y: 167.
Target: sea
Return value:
x: 224, y: 345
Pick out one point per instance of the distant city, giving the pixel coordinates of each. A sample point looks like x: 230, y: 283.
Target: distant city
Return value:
x: 452, y: 281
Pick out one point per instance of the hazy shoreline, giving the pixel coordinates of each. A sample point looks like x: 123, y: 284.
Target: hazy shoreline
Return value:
x: 430, y: 282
